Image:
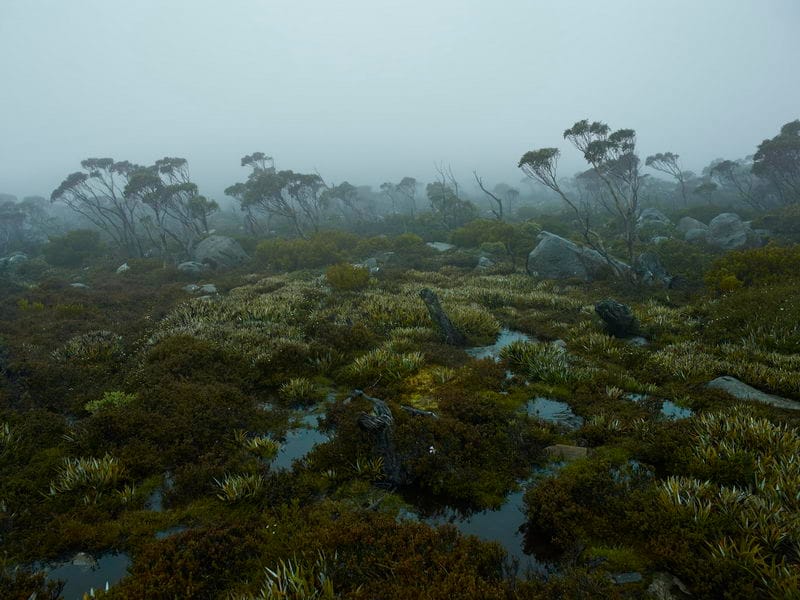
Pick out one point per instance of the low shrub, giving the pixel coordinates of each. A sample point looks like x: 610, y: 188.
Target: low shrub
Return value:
x: 345, y: 277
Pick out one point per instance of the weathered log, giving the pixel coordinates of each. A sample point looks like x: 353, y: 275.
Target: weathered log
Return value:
x: 452, y: 336
x: 380, y: 424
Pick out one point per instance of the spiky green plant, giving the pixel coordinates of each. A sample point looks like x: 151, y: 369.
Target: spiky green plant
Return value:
x: 91, y: 475
x: 382, y: 362
x: 8, y: 438
x: 295, y: 579
x: 538, y: 361
x: 298, y: 390
x: 369, y: 469
x: 263, y: 446
x: 91, y: 346
x: 765, y: 511
x: 236, y: 488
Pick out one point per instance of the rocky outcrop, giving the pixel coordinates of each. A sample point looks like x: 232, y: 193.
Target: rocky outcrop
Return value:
x: 566, y: 452
x: 688, y: 223
x: 651, y: 271
x: 440, y: 246
x: 619, y: 319
x: 219, y: 252
x: 557, y: 258
x: 742, y: 391
x: 696, y: 235
x: 192, y: 267
x: 728, y: 232
x: 653, y: 219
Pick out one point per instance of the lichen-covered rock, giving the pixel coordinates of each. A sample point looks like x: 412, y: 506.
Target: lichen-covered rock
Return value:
x: 696, y: 235
x: 219, y: 252
x: 728, y: 232
x: 619, y: 319
x: 557, y: 258
x: 484, y: 262
x: 441, y: 246
x: 688, y: 223
x: 652, y: 216
x: 651, y: 271
x: 192, y: 267
x: 742, y: 391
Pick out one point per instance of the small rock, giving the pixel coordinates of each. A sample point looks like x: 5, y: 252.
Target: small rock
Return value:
x: 371, y: 264
x: 623, y: 578
x: 652, y: 216
x: 566, y: 452
x: 192, y: 267
x: 651, y: 271
x: 83, y: 559
x: 208, y: 288
x: 123, y: 267
x: 665, y: 586
x: 619, y: 319
x: 440, y: 246
x: 742, y: 391
x: 638, y: 341
x: 560, y: 345
x: 191, y: 288
x: 80, y: 286
x: 485, y: 262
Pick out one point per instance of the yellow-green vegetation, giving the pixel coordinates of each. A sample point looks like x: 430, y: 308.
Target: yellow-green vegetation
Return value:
x: 239, y: 487
x: 173, y: 406
x: 296, y: 580
x: 110, y: 400
x: 92, y: 475
x: 299, y: 390
x: 345, y: 277
x: 539, y: 361
x: 754, y: 477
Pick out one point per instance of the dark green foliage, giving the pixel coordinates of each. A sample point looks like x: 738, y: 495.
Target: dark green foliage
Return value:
x: 73, y: 249
x: 193, y: 564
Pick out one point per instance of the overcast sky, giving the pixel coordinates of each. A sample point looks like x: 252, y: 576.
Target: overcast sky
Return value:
x: 373, y: 90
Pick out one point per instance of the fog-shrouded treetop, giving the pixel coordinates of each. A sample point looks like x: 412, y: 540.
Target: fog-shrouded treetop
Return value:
x: 373, y: 92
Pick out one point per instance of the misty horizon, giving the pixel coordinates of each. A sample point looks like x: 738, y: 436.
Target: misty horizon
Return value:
x: 366, y: 95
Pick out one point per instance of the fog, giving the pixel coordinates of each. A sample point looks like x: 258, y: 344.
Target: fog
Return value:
x: 370, y: 91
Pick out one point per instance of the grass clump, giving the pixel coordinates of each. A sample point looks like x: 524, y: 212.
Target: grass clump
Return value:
x: 236, y: 488
x: 91, y: 474
x: 538, y: 361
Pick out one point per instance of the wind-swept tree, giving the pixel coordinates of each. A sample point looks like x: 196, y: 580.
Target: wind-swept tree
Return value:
x: 778, y: 162
x: 667, y: 163
x: 97, y: 193
x: 176, y: 214
x: 451, y: 210
x: 296, y: 197
x: 737, y: 175
x: 497, y: 202
x: 612, y: 156
x: 615, y: 165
